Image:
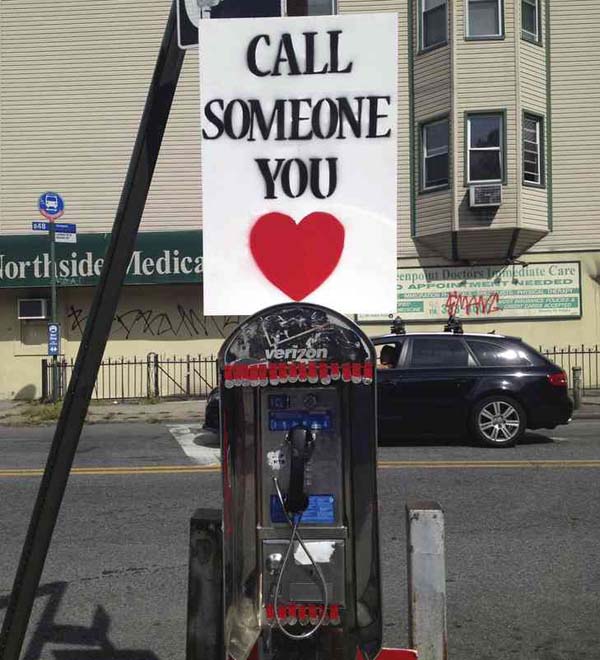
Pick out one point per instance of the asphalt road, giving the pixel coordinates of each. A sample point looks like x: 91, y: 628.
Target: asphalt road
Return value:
x: 522, y: 539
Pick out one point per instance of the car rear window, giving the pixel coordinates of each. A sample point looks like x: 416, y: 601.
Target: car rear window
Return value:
x: 493, y: 354
x: 438, y: 352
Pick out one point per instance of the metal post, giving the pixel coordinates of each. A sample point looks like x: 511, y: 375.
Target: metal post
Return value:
x: 52, y: 235
x: 156, y: 377
x: 577, y: 387
x: 426, y: 580
x: 97, y: 329
x: 188, y: 388
x: 44, y: 380
x: 205, y: 587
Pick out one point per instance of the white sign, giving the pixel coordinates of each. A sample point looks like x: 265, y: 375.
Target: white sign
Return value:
x: 538, y: 290
x: 61, y: 237
x: 299, y: 153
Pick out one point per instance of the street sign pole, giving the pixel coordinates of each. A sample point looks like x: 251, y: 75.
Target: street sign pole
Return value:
x: 51, y: 234
x: 97, y: 329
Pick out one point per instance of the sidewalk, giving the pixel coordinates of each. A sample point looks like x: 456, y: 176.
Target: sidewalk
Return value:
x: 20, y: 413
x: 590, y: 408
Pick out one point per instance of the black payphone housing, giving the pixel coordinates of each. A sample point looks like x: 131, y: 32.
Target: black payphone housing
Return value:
x: 298, y: 438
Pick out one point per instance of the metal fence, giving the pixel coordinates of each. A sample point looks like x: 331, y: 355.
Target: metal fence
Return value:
x: 155, y: 376
x: 152, y: 377
x: 588, y: 358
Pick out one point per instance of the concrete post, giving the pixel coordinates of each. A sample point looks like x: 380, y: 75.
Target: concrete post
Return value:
x: 205, y: 588
x: 426, y: 580
x: 577, y: 387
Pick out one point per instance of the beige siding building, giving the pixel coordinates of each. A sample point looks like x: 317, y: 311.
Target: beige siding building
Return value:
x: 498, y: 173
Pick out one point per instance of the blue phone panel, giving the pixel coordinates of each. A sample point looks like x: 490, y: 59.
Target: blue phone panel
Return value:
x: 321, y: 509
x: 288, y: 419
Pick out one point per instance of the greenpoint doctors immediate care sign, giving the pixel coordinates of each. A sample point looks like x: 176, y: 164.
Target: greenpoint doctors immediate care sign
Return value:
x: 158, y: 258
x: 538, y: 290
x: 299, y: 162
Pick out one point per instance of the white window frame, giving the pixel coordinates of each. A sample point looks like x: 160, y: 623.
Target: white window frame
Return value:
x: 499, y: 148
x: 500, y: 10
x: 539, y: 136
x: 422, y: 26
x: 425, y: 155
x: 533, y: 36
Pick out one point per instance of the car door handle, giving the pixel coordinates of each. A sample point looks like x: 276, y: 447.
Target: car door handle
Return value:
x: 388, y: 384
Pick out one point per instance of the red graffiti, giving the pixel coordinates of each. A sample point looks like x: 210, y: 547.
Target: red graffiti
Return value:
x: 458, y: 303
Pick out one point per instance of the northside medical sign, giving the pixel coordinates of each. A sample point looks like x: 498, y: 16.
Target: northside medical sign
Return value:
x: 158, y: 258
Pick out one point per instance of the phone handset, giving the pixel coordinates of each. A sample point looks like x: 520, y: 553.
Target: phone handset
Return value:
x: 294, y: 505
x: 301, y: 443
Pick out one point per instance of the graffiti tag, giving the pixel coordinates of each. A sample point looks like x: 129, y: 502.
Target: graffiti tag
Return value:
x: 182, y: 322
x: 458, y: 303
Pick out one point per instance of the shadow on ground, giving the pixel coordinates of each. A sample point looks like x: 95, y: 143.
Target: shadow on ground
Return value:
x: 88, y: 642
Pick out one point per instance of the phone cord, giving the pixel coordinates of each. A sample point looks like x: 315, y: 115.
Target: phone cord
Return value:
x: 296, y: 534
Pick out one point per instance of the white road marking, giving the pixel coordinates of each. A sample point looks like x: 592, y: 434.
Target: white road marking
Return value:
x: 192, y: 439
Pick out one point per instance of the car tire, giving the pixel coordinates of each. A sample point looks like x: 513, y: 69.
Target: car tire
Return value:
x: 498, y: 421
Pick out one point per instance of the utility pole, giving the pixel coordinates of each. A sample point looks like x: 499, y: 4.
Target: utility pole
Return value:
x: 53, y: 312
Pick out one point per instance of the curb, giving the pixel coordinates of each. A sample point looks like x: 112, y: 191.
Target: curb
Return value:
x: 586, y: 415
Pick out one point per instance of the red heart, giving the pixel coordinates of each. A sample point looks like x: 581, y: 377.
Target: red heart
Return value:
x: 297, y: 258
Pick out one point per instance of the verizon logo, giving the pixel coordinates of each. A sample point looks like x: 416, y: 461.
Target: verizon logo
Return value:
x: 296, y: 354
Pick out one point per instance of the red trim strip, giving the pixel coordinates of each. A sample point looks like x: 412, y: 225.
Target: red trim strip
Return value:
x: 274, y: 373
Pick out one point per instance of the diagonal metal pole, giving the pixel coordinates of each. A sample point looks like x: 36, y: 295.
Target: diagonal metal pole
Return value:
x: 97, y: 329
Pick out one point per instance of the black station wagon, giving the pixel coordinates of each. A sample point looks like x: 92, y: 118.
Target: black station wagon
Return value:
x: 451, y: 384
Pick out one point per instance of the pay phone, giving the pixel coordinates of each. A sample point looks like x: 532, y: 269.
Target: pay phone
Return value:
x: 298, y: 434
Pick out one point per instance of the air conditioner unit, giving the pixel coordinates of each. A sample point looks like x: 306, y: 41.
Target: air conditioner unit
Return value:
x: 32, y: 308
x: 485, y: 194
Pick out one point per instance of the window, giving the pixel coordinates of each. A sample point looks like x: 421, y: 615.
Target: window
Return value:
x: 389, y: 354
x: 530, y: 20
x: 435, y: 154
x: 485, y: 147
x: 533, y: 140
x: 490, y: 354
x: 434, y: 22
x: 430, y: 352
x: 310, y: 7
x: 484, y: 18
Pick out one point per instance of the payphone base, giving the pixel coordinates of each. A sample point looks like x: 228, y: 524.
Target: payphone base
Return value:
x: 384, y: 654
x: 394, y: 654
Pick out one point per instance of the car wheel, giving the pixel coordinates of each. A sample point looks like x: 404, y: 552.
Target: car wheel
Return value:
x: 498, y: 421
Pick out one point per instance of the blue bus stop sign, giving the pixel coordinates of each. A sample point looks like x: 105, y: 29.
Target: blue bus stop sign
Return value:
x: 51, y: 205
x: 53, y: 339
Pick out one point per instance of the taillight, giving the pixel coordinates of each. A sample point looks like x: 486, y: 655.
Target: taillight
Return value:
x: 558, y: 380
